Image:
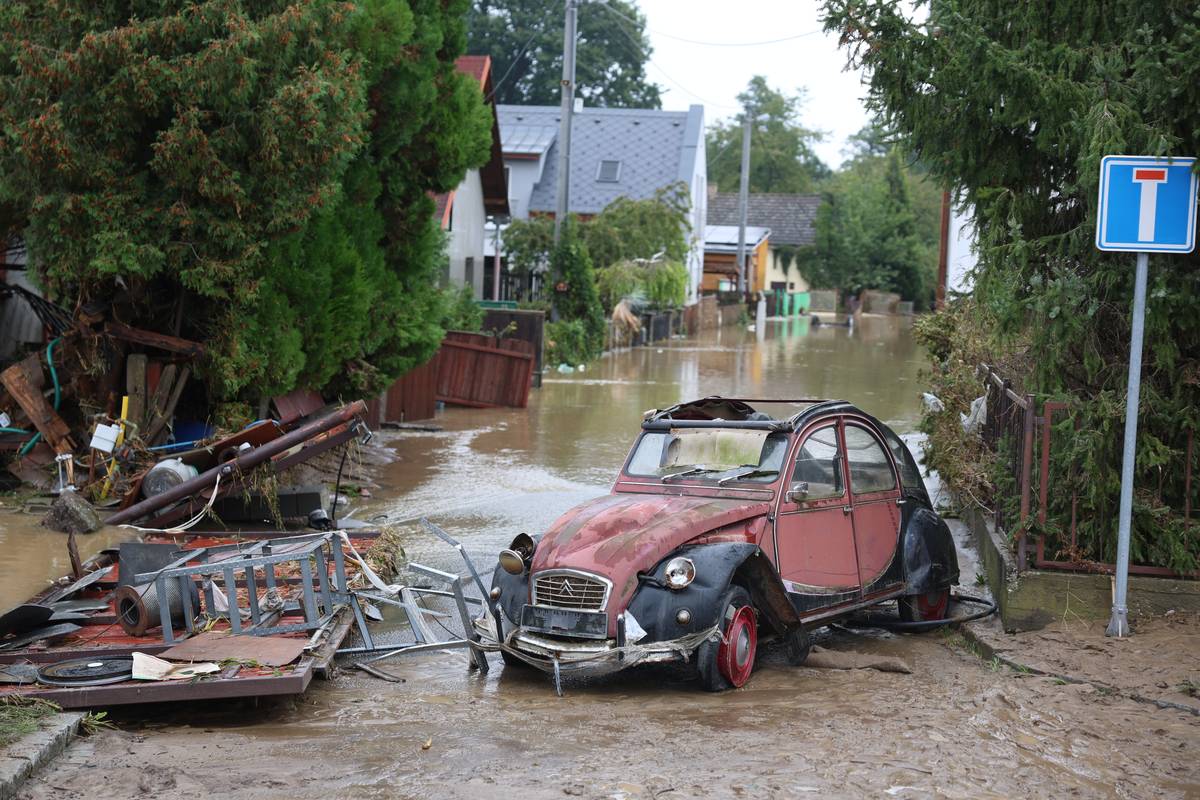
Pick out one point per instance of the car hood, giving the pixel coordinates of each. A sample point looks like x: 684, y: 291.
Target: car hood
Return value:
x: 619, y: 535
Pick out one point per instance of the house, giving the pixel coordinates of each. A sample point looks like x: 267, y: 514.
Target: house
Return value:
x: 615, y: 152
x: 720, y: 258
x: 791, y: 219
x: 483, y: 193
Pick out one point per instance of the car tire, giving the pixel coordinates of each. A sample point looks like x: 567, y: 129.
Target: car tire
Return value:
x: 925, y: 607
x: 796, y: 646
x: 728, y: 662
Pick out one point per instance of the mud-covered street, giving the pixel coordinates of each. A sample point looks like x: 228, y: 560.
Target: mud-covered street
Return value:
x: 947, y: 724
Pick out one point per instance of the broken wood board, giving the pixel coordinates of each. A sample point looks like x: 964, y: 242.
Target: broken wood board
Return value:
x: 158, y: 400
x: 40, y: 413
x: 270, y: 651
x: 160, y: 341
x: 160, y: 422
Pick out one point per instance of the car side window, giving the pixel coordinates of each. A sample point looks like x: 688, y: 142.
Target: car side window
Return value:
x: 819, y: 464
x: 870, y: 468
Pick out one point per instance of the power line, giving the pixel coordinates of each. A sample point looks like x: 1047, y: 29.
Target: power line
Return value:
x: 666, y: 35
x: 641, y: 49
x: 496, y: 86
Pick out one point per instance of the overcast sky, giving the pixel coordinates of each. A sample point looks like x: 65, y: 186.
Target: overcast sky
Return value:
x: 713, y: 76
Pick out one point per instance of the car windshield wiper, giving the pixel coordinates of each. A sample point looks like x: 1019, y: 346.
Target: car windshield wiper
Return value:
x: 751, y: 472
x: 686, y: 472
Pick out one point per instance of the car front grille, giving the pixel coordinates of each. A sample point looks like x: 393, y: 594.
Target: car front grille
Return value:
x: 574, y: 591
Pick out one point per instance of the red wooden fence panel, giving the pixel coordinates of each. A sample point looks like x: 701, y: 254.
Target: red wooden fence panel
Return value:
x: 481, y: 371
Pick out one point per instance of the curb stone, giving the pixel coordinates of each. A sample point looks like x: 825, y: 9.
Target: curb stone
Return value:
x: 990, y: 652
x: 38, y: 749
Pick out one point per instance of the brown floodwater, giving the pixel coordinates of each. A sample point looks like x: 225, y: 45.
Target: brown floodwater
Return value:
x: 953, y: 726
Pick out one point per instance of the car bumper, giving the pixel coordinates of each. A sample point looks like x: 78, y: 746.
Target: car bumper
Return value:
x: 584, y: 656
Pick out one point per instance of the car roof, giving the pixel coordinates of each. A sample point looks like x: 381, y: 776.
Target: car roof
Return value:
x: 736, y: 412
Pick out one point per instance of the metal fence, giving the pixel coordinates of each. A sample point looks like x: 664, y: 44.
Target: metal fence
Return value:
x: 1024, y: 441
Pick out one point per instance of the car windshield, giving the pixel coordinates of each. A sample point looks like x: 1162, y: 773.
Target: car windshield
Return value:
x: 709, y: 454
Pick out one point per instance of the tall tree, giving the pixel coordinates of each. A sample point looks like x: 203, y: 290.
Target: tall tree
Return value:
x: 1014, y: 105
x: 525, y: 40
x: 781, y: 154
x: 155, y: 150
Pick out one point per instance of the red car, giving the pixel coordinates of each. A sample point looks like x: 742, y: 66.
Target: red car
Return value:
x: 726, y: 527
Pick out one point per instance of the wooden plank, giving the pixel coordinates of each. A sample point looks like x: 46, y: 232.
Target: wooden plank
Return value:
x: 490, y: 350
x: 160, y: 341
x: 135, y: 387
x: 157, y: 425
x: 158, y: 400
x: 40, y: 413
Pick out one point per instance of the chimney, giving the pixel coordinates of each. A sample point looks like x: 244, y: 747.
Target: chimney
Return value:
x: 578, y: 104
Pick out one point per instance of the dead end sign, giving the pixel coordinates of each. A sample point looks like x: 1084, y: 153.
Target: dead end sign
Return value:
x: 1147, y: 205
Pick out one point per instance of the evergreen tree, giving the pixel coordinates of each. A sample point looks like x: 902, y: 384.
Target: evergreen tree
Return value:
x: 525, y: 40
x: 1014, y: 105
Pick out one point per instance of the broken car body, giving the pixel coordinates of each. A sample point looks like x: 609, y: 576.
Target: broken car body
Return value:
x: 724, y: 526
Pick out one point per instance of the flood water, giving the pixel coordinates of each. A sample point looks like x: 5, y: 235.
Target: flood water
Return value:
x: 494, y: 473
x: 950, y: 727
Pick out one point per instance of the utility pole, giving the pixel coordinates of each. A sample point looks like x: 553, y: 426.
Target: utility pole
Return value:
x: 564, y: 125
x: 743, y: 202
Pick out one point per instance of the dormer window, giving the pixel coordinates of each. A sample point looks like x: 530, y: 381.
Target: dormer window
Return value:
x: 609, y: 172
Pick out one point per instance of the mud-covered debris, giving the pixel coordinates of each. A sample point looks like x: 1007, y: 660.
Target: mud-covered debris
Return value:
x: 820, y: 658
x: 70, y: 513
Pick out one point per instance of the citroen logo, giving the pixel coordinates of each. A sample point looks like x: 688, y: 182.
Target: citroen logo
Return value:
x: 567, y: 588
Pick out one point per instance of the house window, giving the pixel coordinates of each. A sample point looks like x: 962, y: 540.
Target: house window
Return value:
x: 609, y: 172
x: 469, y: 277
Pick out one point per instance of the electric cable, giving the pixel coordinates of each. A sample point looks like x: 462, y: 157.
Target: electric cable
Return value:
x: 891, y: 623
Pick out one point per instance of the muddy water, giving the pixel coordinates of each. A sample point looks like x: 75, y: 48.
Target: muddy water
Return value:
x: 951, y: 727
x: 34, y: 556
x: 495, y: 473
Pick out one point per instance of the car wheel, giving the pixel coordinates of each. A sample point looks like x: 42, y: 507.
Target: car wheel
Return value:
x: 925, y: 607
x: 727, y: 663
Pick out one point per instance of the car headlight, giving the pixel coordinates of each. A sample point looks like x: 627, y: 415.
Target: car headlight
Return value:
x: 680, y: 572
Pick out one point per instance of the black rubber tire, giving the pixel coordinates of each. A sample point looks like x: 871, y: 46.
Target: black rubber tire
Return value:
x: 709, y: 673
x: 911, y: 609
x: 797, y: 644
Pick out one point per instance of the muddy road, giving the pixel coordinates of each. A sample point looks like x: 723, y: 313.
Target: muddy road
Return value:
x: 952, y: 725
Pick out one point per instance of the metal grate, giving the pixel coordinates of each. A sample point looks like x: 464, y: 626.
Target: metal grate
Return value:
x: 575, y: 591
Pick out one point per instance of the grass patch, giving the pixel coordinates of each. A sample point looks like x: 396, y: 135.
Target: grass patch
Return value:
x: 21, y: 716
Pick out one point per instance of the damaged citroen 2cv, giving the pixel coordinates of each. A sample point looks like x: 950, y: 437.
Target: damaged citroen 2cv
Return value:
x: 726, y: 527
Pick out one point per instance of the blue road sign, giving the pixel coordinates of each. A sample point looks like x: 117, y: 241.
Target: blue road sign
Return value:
x: 1147, y: 205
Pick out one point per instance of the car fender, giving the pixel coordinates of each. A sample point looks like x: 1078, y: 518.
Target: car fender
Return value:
x: 930, y: 557
x: 656, y: 607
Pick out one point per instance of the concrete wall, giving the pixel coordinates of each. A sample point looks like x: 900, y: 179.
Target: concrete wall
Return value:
x: 695, y: 260
x: 523, y: 175
x: 465, y: 240
x: 1033, y: 599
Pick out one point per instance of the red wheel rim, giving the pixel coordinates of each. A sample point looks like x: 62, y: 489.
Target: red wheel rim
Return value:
x: 735, y: 657
x: 933, y: 605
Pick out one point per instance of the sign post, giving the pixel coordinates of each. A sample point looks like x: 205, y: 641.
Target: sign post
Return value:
x: 1147, y: 205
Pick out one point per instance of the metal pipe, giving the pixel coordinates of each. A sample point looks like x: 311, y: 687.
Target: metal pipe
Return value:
x: 1118, y: 624
x: 243, y: 462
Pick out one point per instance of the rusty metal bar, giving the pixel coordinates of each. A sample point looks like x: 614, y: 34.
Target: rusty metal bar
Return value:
x: 1026, y: 476
x: 1108, y: 569
x: 242, y: 463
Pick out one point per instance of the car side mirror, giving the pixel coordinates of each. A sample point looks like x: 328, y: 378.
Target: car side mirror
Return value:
x: 797, y: 492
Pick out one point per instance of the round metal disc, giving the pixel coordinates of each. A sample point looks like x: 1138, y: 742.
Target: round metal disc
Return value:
x: 86, y: 671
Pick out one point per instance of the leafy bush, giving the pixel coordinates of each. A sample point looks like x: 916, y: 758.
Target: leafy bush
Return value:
x: 571, y: 267
x: 567, y: 343
x: 665, y: 284
x: 621, y: 280
x: 463, y: 313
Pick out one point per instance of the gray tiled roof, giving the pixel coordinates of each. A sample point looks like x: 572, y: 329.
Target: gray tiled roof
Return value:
x: 790, y: 217
x: 655, y: 148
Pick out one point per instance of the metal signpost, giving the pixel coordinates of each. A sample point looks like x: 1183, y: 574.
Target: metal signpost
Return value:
x: 1147, y: 205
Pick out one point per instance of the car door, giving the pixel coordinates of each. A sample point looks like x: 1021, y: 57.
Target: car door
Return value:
x: 874, y: 496
x: 814, y: 529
